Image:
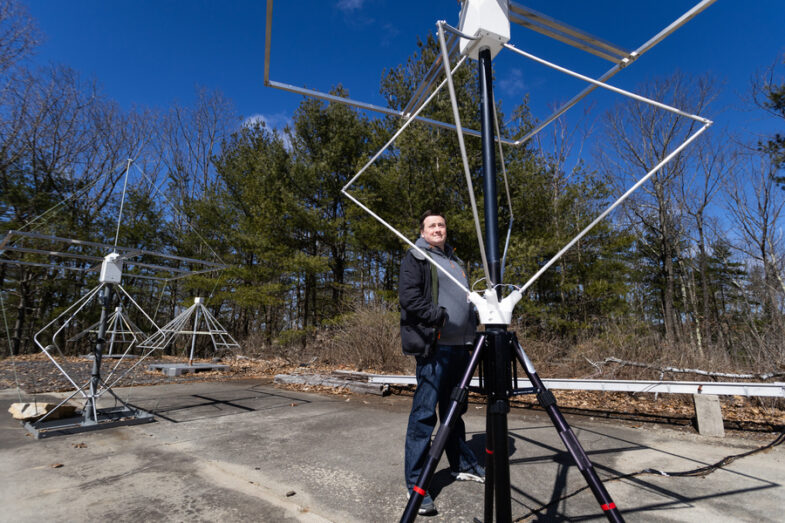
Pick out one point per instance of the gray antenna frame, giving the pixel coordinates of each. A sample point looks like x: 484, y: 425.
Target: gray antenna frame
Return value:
x: 127, y: 254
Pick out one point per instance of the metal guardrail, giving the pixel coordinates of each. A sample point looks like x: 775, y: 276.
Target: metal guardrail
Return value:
x: 775, y: 389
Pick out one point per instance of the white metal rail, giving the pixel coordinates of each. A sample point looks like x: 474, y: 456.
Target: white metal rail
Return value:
x: 775, y: 389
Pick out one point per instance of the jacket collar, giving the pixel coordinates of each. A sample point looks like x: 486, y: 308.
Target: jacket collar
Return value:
x: 424, y: 245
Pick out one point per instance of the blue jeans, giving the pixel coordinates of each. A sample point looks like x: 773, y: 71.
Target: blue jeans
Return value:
x: 437, y: 375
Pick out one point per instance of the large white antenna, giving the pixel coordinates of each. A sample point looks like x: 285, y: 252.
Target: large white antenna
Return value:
x: 486, y: 24
x: 484, y: 31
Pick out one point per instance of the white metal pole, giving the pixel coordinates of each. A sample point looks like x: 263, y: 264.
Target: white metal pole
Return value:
x: 193, y: 338
x: 606, y: 86
x: 122, y: 202
x: 613, y: 206
x: 462, y: 146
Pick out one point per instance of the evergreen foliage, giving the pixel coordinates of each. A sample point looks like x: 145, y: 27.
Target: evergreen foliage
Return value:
x: 304, y: 260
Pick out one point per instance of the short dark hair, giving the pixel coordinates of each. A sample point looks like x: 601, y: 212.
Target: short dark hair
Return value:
x: 429, y: 212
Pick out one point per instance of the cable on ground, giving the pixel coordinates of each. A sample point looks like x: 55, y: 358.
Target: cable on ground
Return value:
x: 698, y: 472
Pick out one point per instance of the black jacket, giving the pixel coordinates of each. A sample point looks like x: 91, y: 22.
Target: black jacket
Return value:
x: 420, y: 315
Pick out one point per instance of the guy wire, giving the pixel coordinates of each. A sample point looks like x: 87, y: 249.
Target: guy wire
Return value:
x: 182, y: 214
x: 122, y: 203
x: 63, y: 201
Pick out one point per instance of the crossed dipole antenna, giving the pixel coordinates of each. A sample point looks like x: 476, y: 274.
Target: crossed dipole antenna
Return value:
x: 445, y: 46
x: 484, y: 32
x: 449, y: 40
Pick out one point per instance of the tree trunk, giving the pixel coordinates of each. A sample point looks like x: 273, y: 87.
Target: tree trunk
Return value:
x: 671, y: 333
x: 19, y: 325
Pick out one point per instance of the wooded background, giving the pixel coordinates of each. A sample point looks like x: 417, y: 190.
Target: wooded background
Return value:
x: 689, y: 271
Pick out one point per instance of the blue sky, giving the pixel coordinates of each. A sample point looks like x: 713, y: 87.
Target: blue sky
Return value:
x: 151, y: 52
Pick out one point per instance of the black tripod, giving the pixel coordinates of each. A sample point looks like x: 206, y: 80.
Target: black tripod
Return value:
x: 499, y: 349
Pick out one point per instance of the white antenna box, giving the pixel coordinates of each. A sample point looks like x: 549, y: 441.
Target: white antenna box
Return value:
x: 111, y: 269
x: 489, y: 22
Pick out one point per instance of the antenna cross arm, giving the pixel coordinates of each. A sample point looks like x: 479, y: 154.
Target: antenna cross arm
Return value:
x: 491, y: 310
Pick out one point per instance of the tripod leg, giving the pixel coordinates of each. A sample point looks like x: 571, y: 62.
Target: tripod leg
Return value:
x: 437, y: 447
x: 548, y: 402
x: 489, y: 470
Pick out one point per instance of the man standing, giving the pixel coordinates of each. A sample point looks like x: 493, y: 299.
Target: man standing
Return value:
x: 437, y: 327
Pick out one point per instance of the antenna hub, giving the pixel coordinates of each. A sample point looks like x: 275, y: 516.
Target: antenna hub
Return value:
x: 491, y: 310
x: 489, y: 22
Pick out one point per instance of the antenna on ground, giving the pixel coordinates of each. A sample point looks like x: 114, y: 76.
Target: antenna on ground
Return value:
x: 204, y: 324
x: 67, y: 254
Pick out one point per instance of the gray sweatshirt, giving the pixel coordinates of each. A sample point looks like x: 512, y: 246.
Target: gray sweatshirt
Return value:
x: 461, y: 325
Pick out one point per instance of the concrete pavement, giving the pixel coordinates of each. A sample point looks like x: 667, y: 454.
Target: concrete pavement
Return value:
x: 249, y: 451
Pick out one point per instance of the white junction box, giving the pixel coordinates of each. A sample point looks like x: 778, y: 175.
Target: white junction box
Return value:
x: 111, y: 269
x: 491, y: 310
x: 489, y: 22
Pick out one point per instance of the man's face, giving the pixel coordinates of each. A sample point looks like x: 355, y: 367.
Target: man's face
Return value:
x: 434, y: 230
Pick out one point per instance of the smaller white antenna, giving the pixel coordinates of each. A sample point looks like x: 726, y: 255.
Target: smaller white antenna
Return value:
x: 194, y: 321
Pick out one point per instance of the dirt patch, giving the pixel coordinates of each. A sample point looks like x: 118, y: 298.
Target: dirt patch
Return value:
x: 36, y: 374
x: 738, y: 412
